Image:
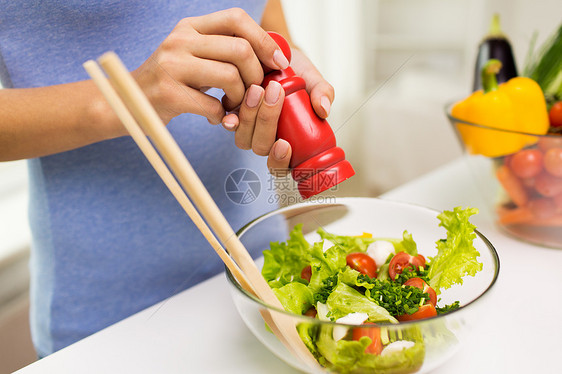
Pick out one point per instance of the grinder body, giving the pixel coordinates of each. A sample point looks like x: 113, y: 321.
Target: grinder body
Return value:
x: 317, y: 163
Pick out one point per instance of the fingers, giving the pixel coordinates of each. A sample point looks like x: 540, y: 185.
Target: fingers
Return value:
x: 268, y: 116
x: 237, y: 51
x: 258, y: 117
x: 279, y: 158
x: 322, y: 95
x: 236, y: 22
x: 210, y: 73
x: 247, y: 117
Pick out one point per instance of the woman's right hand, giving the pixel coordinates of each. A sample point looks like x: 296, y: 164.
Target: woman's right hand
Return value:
x: 224, y: 50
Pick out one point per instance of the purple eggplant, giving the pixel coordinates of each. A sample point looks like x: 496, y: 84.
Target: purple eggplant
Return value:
x: 495, y: 46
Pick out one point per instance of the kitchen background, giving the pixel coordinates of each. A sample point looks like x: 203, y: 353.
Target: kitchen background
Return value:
x: 394, y: 65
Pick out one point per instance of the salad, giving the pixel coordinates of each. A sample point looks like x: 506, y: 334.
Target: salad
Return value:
x: 373, y: 283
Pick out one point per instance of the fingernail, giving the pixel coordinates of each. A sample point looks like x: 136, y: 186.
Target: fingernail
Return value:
x: 229, y: 126
x: 281, y: 149
x: 272, y: 92
x: 325, y: 104
x: 280, y: 59
x: 254, y: 96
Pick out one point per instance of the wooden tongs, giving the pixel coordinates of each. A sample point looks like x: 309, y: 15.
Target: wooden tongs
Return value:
x: 130, y: 104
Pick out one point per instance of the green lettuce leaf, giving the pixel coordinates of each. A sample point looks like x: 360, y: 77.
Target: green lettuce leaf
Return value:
x: 295, y: 297
x: 283, y: 262
x: 456, y: 256
x: 345, y: 300
x: 348, y: 243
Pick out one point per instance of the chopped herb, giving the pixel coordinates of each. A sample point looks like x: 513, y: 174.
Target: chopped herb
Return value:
x: 448, y: 308
x: 328, y: 286
x: 394, y: 297
x: 409, y: 272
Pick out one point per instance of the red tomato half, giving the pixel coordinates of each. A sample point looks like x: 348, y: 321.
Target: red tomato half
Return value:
x: 425, y: 311
x: 373, y: 333
x: 418, y: 261
x: 306, y: 273
x: 403, y: 260
x: 555, y: 114
x: 422, y: 285
x: 363, y: 263
x: 526, y: 163
x: 398, y: 263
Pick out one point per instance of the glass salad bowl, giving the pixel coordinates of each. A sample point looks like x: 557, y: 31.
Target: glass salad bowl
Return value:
x: 519, y: 176
x: 341, y: 346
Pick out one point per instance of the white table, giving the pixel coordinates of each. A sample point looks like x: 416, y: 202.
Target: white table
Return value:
x: 199, y: 330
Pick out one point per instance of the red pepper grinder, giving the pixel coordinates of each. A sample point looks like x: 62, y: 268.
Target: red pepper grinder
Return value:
x: 316, y: 163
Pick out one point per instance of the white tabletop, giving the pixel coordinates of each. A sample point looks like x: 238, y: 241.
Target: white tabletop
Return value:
x: 199, y: 330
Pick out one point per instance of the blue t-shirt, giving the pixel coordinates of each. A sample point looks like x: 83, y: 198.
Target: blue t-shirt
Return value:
x: 108, y: 238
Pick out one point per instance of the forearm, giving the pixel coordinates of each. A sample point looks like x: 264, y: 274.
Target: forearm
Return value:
x: 46, y: 120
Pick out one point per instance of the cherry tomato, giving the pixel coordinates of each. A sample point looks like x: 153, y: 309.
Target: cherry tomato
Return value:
x: 363, y: 263
x: 548, y: 185
x: 422, y: 285
x: 425, y: 311
x: 373, y: 333
x: 555, y: 114
x: 311, y: 312
x: 526, y: 163
x: 553, y: 161
x: 403, y: 260
x: 551, y: 141
x: 306, y: 273
x: 398, y: 263
x: 418, y: 261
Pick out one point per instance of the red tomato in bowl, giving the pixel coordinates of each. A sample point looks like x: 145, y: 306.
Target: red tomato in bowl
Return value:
x: 306, y: 273
x: 373, y: 333
x: 422, y: 285
x: 425, y: 311
x: 363, y: 263
x: 526, y: 163
x: 403, y: 260
x: 553, y: 161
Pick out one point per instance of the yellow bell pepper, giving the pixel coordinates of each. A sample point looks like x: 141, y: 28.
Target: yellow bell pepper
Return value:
x: 501, y: 114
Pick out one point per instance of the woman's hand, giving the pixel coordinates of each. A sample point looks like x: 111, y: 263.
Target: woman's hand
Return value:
x: 255, y: 123
x: 225, y: 50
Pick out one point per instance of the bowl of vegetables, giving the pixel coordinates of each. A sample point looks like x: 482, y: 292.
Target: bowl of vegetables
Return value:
x: 511, y: 131
x: 370, y: 285
x: 519, y: 174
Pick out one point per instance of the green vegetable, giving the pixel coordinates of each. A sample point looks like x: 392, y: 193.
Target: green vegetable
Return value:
x: 545, y: 67
x: 345, y: 300
x: 456, y: 256
x: 448, y: 308
x: 295, y: 297
x: 394, y: 297
x: 284, y: 262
